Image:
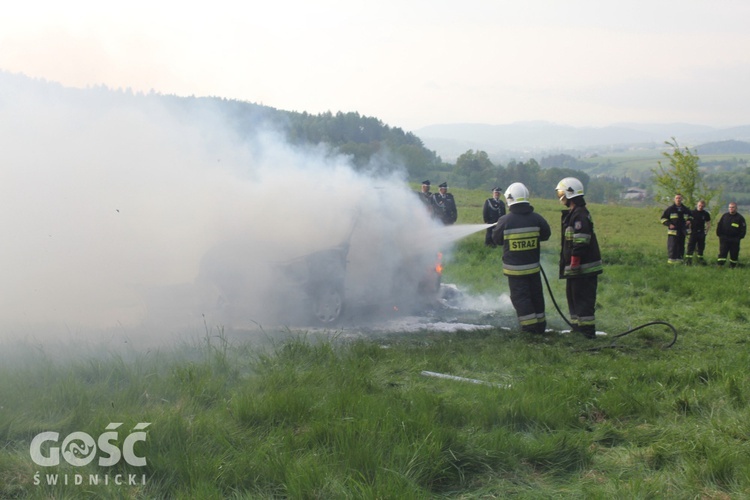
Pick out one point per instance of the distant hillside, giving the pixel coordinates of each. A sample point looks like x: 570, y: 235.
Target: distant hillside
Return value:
x: 529, y: 139
x: 723, y: 148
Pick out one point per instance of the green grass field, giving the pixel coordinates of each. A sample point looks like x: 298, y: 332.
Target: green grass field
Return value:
x: 303, y: 415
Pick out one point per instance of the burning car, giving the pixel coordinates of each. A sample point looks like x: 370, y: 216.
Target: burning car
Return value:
x: 322, y: 278
x: 330, y: 283
x: 355, y: 278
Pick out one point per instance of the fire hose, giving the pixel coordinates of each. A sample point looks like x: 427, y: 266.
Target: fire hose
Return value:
x: 615, y: 337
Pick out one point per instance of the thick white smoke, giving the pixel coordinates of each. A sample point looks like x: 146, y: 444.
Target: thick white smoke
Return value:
x: 119, y: 211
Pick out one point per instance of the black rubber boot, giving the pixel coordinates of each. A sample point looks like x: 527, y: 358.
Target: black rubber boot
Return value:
x: 588, y: 331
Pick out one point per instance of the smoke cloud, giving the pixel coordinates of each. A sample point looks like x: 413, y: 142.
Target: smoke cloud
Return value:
x: 119, y: 211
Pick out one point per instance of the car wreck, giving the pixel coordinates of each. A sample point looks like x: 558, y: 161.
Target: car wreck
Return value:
x: 346, y: 281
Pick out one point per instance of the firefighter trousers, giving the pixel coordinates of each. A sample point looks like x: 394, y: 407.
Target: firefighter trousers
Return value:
x: 675, y: 248
x: 731, y: 248
x: 696, y: 245
x: 527, y: 297
x: 581, y: 294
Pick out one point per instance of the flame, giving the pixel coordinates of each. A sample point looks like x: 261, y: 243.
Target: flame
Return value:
x: 439, y: 263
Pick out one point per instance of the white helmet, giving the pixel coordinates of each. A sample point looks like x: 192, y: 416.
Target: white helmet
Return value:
x: 568, y: 188
x: 516, y: 193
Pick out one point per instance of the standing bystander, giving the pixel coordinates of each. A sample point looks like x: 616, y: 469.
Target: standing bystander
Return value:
x: 444, y: 206
x: 676, y: 217
x: 730, y: 230
x: 493, y: 209
x: 425, y: 196
x: 700, y: 224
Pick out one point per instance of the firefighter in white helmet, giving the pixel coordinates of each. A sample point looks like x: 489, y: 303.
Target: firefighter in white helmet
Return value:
x: 519, y: 232
x: 580, y: 259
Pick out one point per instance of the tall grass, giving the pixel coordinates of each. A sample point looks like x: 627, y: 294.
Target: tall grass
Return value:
x: 310, y: 415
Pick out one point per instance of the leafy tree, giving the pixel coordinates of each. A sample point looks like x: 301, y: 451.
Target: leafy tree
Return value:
x: 420, y: 162
x: 527, y: 173
x: 563, y: 161
x: 475, y: 167
x: 364, y: 139
x: 681, y: 176
x: 498, y: 177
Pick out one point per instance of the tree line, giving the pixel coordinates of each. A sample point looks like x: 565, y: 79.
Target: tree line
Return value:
x: 475, y: 170
x: 371, y: 144
x: 367, y: 141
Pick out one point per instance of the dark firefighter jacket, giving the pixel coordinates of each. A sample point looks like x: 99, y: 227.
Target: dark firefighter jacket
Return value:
x: 426, y: 199
x: 520, y: 232
x: 677, y: 217
x: 698, y: 219
x: 731, y: 227
x: 444, y: 208
x: 578, y: 239
x: 493, y: 209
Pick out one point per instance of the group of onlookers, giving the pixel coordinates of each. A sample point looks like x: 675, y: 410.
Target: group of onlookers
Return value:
x: 695, y: 225
x: 440, y: 205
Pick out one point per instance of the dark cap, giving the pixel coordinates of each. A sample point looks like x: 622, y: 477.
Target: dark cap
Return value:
x: 444, y: 185
x: 425, y: 183
x: 497, y: 190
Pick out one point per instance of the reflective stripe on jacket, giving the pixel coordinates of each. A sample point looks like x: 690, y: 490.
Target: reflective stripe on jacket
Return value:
x: 519, y: 232
x: 579, y: 239
x: 677, y: 217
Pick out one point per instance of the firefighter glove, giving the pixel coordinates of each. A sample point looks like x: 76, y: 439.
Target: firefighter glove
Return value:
x: 575, y: 263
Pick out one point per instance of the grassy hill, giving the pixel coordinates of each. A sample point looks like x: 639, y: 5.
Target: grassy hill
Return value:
x: 317, y: 416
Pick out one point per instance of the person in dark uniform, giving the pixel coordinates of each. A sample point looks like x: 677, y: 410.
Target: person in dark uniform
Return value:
x: 700, y: 224
x: 425, y: 196
x: 444, y: 206
x: 580, y: 259
x: 676, y: 217
x: 730, y: 230
x: 493, y: 209
x: 519, y: 232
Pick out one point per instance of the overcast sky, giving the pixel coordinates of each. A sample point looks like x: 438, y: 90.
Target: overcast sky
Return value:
x: 410, y: 63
